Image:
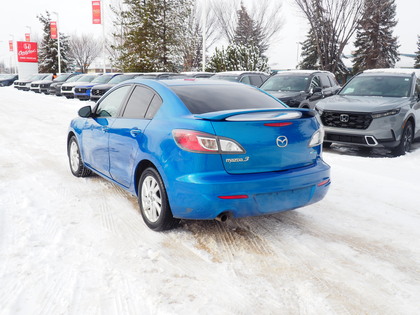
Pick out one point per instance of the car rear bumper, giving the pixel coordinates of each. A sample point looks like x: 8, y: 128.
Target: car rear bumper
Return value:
x: 205, y: 196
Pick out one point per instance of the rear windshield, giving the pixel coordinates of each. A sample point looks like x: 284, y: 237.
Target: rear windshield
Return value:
x: 201, y: 99
x: 380, y: 85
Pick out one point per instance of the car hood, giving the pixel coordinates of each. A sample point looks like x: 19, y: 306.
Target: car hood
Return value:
x: 283, y: 95
x: 84, y: 84
x: 361, y: 103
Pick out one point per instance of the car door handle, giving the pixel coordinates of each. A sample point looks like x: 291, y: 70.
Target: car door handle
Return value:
x: 104, y: 128
x: 135, y: 132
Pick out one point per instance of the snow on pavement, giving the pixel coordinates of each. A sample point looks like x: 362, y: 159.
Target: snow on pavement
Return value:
x: 79, y: 246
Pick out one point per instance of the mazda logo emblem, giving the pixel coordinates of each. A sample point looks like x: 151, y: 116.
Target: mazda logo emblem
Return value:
x: 282, y: 141
x: 344, y: 118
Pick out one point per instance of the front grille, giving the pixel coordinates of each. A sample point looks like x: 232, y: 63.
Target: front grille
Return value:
x: 34, y: 85
x: 346, y: 120
x: 98, y: 92
x: 44, y: 85
x: 345, y: 138
x: 80, y: 90
x: 66, y: 88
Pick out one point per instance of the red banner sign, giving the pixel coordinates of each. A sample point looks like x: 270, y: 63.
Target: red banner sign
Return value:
x: 53, y: 30
x: 96, y: 12
x: 10, y: 45
x: 27, y: 37
x: 27, y: 51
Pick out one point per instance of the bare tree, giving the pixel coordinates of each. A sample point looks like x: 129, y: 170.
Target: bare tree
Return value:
x: 83, y: 50
x: 265, y: 13
x: 333, y: 23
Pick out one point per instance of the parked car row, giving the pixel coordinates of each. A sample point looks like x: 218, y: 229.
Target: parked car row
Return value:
x: 376, y: 108
x: 90, y: 86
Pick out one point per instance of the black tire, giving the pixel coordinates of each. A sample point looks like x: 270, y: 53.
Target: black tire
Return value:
x: 406, y: 140
x: 153, y: 202
x: 75, y: 160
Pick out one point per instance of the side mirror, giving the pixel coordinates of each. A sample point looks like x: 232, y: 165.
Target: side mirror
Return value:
x: 317, y: 89
x: 85, y: 112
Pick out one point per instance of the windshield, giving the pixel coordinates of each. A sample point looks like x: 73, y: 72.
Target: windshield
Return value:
x: 225, y: 77
x: 286, y: 83
x: 61, y: 78
x: 7, y: 77
x: 103, y: 78
x: 123, y: 77
x: 378, y: 85
x: 86, y: 78
x: 75, y: 78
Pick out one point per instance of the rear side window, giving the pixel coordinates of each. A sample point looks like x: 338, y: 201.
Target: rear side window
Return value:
x: 201, y: 99
x: 138, y: 103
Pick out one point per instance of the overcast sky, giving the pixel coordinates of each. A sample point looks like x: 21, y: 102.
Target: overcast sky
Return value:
x: 19, y: 17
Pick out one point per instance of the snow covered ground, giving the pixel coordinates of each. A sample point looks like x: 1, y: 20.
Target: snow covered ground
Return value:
x: 79, y: 246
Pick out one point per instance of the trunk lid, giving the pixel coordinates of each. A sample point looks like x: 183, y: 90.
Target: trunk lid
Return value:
x: 274, y: 139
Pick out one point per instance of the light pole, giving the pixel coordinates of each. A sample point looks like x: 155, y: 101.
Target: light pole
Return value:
x: 103, y: 35
x: 204, y: 33
x: 58, y: 44
x: 13, y: 53
x: 30, y: 32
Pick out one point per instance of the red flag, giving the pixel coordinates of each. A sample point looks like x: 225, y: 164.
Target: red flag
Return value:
x: 10, y: 45
x: 96, y: 12
x: 27, y: 37
x: 53, y: 30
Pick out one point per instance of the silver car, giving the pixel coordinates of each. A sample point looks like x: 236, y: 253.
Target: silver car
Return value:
x: 376, y: 108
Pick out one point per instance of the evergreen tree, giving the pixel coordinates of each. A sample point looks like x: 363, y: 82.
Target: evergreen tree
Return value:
x: 417, y: 58
x: 310, y: 56
x: 247, y: 32
x: 376, y: 47
x: 237, y: 58
x: 152, y: 38
x: 48, y: 50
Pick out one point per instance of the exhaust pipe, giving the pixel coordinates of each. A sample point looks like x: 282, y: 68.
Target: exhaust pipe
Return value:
x: 222, y: 217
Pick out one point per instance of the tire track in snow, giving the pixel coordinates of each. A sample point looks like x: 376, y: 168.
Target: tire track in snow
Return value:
x: 225, y: 241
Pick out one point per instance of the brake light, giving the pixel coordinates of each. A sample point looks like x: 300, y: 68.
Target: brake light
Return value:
x: 278, y: 124
x: 324, y: 182
x: 196, y: 141
x: 234, y: 197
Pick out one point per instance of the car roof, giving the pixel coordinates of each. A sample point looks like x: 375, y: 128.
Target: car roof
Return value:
x: 182, y: 82
x: 392, y: 71
x: 239, y: 72
x: 300, y: 72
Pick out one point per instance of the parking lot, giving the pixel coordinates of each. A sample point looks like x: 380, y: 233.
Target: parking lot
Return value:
x: 79, y: 246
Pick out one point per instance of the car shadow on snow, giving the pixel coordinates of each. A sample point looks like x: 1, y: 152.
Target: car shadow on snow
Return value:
x: 371, y: 152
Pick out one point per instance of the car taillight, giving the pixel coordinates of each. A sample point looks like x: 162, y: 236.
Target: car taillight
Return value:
x: 196, y: 141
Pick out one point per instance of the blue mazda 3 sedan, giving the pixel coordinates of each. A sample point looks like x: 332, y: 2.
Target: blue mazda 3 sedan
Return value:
x: 201, y: 149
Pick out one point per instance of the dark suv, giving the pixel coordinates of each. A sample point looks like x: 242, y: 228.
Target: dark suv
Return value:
x: 254, y: 78
x: 301, y: 88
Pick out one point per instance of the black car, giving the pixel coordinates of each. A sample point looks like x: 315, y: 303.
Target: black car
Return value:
x: 45, y: 86
x: 7, y: 79
x: 254, y: 78
x: 301, y: 88
x: 98, y: 90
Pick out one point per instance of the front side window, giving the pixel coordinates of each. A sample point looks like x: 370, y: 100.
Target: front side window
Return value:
x: 315, y: 82
x: 110, y: 105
